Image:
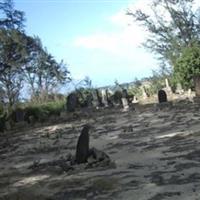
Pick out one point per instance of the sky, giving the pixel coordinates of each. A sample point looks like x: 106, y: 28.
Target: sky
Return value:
x: 94, y: 37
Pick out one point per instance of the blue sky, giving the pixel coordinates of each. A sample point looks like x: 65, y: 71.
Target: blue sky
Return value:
x: 94, y: 37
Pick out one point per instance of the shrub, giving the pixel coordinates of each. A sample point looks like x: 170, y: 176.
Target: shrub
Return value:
x: 41, y: 112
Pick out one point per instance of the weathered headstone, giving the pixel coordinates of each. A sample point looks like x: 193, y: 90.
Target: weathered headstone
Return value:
x: 179, y: 89
x: 144, y: 93
x: 72, y: 102
x: 189, y: 93
x: 99, y: 98
x: 125, y: 100
x: 117, y: 97
x: 167, y: 88
x: 125, y: 104
x: 104, y: 99
x: 162, y: 96
x: 82, y: 149
x: 135, y: 100
x: 95, y: 101
x: 89, y: 99
x: 108, y: 98
x: 18, y: 115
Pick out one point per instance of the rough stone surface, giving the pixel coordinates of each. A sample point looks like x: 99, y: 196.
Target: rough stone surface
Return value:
x: 82, y: 149
x: 162, y: 96
x: 99, y: 98
x: 18, y: 115
x: 72, y: 102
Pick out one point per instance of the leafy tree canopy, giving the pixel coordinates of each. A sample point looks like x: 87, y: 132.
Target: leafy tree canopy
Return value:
x: 188, y: 65
x: 171, y: 24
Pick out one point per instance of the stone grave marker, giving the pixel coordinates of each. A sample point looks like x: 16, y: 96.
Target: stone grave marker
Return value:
x: 144, y: 94
x: 99, y: 98
x: 124, y: 100
x: 108, y: 98
x: 82, y: 148
x: 162, y: 96
x: 104, y: 99
x: 72, y: 102
x: 18, y: 115
x: 179, y: 89
x: 167, y: 88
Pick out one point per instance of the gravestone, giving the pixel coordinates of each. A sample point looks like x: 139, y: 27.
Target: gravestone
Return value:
x: 135, y: 100
x: 18, y: 115
x: 168, y: 88
x: 82, y: 148
x: 104, y: 99
x: 117, y: 97
x: 162, y: 96
x: 179, y: 89
x: 125, y: 100
x: 189, y: 93
x: 108, y: 98
x: 144, y: 93
x: 99, y: 98
x: 95, y: 101
x: 89, y: 99
x: 72, y: 102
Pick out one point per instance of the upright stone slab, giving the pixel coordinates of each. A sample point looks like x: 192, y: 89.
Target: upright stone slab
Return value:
x: 125, y: 100
x: 95, y: 102
x: 179, y: 89
x: 144, y: 93
x: 162, y: 96
x: 99, y: 98
x: 104, y: 99
x: 108, y: 98
x: 82, y: 148
x: 18, y: 115
x: 168, y: 88
x: 89, y: 99
x: 72, y: 102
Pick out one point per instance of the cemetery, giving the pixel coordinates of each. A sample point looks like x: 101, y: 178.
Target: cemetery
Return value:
x: 100, y: 126
x: 127, y: 151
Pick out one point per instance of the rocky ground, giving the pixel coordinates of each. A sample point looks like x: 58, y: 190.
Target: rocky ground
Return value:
x: 155, y: 155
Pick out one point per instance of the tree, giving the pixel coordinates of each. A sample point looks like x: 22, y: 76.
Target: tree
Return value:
x: 13, y: 51
x: 172, y: 25
x: 188, y: 66
x: 11, y: 18
x: 43, y: 73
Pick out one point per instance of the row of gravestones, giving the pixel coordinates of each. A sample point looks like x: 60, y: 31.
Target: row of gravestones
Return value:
x: 18, y: 115
x: 97, y: 99
x: 119, y: 98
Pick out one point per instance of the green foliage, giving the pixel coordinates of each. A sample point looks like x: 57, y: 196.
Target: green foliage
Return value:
x: 84, y: 95
x: 136, y: 91
x: 43, y: 74
x: 1, y: 109
x: 187, y: 66
x: 172, y: 25
x: 41, y: 112
x: 23, y: 59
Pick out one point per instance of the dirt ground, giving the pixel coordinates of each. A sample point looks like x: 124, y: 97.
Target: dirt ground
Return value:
x: 156, y: 155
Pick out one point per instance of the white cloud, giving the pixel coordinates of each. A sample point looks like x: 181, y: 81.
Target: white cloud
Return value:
x: 129, y: 35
